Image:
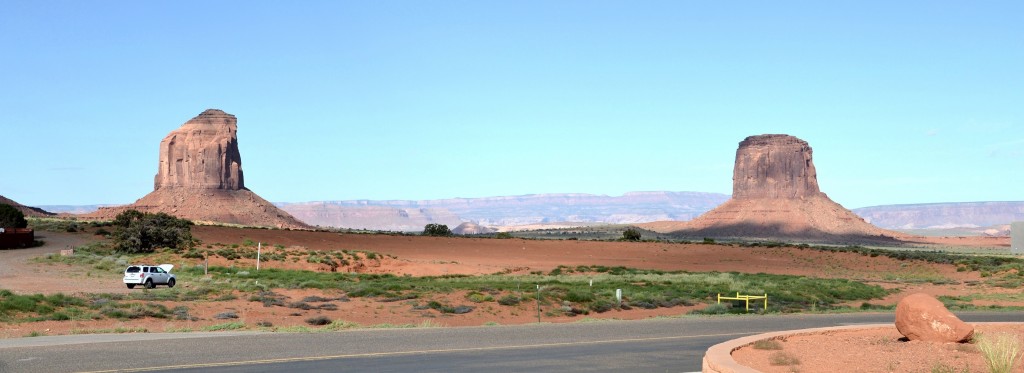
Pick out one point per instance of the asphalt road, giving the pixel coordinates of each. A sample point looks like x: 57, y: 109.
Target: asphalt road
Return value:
x: 669, y: 345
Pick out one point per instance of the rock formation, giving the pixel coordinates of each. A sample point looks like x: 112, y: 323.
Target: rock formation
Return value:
x: 921, y: 317
x: 199, y: 178
x: 776, y: 197
x: 472, y: 228
x: 774, y: 166
x: 28, y: 211
x: 203, y: 153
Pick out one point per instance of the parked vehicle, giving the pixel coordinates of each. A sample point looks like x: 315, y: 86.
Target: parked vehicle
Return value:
x: 149, y: 275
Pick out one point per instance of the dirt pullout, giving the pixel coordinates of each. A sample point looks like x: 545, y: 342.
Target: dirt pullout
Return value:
x: 869, y: 350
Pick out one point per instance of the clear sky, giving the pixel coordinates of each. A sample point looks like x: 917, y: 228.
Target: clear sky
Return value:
x: 902, y: 101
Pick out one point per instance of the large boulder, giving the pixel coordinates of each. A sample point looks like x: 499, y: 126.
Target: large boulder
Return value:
x: 921, y: 317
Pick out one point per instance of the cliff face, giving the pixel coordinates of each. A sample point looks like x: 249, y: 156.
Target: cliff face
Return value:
x: 776, y: 197
x: 774, y: 166
x: 199, y: 177
x: 202, y: 153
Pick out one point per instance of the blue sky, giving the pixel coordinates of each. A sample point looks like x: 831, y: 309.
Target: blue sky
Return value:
x: 903, y: 102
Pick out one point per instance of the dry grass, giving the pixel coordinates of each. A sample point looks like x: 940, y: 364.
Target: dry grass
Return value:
x: 782, y: 358
x: 768, y: 344
x: 1001, y: 351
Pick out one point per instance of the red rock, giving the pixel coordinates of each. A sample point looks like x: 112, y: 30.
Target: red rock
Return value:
x: 200, y: 178
x: 921, y: 317
x: 776, y: 197
x: 203, y: 153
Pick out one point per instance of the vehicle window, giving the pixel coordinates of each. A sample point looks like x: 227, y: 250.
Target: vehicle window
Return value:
x: 132, y: 269
x: 159, y: 270
x: 146, y: 269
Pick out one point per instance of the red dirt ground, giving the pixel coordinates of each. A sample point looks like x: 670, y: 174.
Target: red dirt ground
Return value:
x: 416, y: 255
x: 871, y: 351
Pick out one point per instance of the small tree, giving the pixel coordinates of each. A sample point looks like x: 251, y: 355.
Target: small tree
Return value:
x: 138, y: 232
x: 631, y: 234
x: 439, y: 230
x: 11, y: 217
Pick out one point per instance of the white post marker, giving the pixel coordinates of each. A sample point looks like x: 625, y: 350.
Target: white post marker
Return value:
x: 259, y: 247
x: 618, y: 296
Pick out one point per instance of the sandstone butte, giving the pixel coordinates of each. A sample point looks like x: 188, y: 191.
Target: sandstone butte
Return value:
x: 776, y: 197
x: 199, y: 177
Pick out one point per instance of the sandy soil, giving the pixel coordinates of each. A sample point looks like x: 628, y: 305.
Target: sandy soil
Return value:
x: 417, y: 256
x: 870, y: 350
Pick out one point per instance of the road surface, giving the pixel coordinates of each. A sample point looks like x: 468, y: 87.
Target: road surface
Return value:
x: 656, y: 345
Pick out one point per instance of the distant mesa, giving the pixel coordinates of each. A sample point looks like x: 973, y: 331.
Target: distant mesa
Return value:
x: 472, y: 228
x: 199, y: 178
x: 776, y: 197
x: 28, y: 211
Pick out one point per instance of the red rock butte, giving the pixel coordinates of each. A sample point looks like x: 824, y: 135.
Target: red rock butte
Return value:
x: 199, y: 177
x: 776, y: 197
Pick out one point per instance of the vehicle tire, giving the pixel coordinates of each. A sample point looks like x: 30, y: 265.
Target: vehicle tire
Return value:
x: 149, y: 284
x: 170, y: 283
x: 131, y: 286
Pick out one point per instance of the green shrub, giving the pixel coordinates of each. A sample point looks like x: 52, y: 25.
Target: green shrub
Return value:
x: 439, y: 230
x: 509, y: 300
x: 138, y: 232
x: 476, y: 297
x: 11, y: 217
x: 631, y: 234
x: 503, y: 235
x: 601, y: 305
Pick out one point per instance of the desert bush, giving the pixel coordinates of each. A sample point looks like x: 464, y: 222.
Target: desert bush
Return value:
x: 503, y: 235
x: 439, y: 230
x: 11, y: 217
x: 318, y: 320
x: 601, y: 305
x: 631, y: 234
x: 138, y: 232
x: 226, y: 315
x: 509, y: 300
x: 1001, y: 351
x: 768, y: 344
x: 477, y: 297
x: 782, y: 358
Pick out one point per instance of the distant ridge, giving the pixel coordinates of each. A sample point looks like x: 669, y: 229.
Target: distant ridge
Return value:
x: 943, y: 215
x: 27, y: 210
x: 632, y: 207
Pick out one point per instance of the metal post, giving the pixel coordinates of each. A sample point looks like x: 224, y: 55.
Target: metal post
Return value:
x: 538, y: 303
x: 259, y: 247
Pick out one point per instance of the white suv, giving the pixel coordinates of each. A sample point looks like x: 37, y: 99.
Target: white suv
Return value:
x: 149, y: 275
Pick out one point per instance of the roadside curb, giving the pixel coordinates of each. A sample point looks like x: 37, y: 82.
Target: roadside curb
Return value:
x: 718, y: 358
